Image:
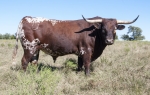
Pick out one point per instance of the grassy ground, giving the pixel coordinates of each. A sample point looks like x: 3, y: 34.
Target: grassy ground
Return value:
x: 123, y: 69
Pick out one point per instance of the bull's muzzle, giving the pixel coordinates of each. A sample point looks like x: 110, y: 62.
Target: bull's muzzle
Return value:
x: 109, y: 41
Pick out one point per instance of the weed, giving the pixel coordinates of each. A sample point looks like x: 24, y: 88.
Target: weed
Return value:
x: 2, y: 45
x: 70, y: 64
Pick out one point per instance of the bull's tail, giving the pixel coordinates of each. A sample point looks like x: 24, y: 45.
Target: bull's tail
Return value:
x: 16, y: 47
x: 15, y: 50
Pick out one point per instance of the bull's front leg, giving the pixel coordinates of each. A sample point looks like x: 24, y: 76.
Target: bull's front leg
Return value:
x: 86, y: 62
x: 34, y: 59
x: 26, y: 59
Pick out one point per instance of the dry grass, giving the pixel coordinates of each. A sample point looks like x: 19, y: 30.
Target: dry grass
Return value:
x: 123, y: 69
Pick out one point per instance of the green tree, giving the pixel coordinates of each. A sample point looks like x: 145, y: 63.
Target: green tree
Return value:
x: 136, y: 34
x: 12, y: 37
x: 125, y: 37
x: 6, y: 36
x: 116, y: 37
x: 1, y: 36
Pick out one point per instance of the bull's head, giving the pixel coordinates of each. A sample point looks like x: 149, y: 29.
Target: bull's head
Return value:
x: 108, y: 26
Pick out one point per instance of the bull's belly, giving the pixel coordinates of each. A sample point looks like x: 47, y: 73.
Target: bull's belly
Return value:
x: 58, y: 52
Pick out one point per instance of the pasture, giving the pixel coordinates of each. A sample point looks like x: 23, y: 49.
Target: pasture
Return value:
x: 123, y: 69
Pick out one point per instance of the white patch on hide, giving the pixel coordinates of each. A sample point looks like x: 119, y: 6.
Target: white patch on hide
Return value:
x: 20, y: 31
x: 34, y: 54
x: 34, y: 61
x: 53, y: 21
x: 82, y: 51
x: 30, y: 45
x: 44, y: 45
x: 114, y: 31
x: 89, y: 49
x: 38, y: 20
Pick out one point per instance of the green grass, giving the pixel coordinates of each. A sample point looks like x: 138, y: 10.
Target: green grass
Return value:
x: 33, y: 83
x: 123, y: 69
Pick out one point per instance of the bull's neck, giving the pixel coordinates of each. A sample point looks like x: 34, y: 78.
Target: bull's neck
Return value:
x: 99, y: 46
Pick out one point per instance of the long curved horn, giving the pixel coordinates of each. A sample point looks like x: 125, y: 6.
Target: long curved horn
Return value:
x: 127, y: 22
x: 92, y: 21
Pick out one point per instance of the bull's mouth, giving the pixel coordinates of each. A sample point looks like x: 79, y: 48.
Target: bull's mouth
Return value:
x: 109, y: 43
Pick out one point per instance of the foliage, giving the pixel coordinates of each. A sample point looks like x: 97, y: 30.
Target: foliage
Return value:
x: 125, y: 37
x: 136, y: 34
x: 1, y: 36
x: 70, y: 63
x: 7, y: 36
x: 32, y: 83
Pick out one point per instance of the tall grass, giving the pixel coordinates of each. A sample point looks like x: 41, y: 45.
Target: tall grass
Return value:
x: 123, y: 69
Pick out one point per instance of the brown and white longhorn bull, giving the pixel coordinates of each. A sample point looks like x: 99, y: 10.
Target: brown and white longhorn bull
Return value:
x: 87, y: 38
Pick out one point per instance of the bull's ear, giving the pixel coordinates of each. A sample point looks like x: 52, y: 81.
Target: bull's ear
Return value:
x: 120, y: 27
x: 97, y: 25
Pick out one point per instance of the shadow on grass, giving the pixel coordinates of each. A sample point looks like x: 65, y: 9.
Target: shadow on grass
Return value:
x: 69, y: 64
x: 38, y: 67
x: 42, y: 66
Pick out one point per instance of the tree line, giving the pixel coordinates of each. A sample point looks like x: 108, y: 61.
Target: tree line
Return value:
x: 134, y: 33
x: 7, y: 36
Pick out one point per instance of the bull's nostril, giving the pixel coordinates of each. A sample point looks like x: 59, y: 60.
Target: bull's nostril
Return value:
x: 108, y: 40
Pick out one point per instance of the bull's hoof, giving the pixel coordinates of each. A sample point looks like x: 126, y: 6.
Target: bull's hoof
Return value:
x: 79, y: 70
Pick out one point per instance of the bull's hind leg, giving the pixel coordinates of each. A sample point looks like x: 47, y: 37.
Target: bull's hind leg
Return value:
x: 54, y: 58
x: 26, y: 59
x: 34, y: 59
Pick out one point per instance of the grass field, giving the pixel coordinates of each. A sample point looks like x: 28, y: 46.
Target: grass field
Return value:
x: 123, y: 69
